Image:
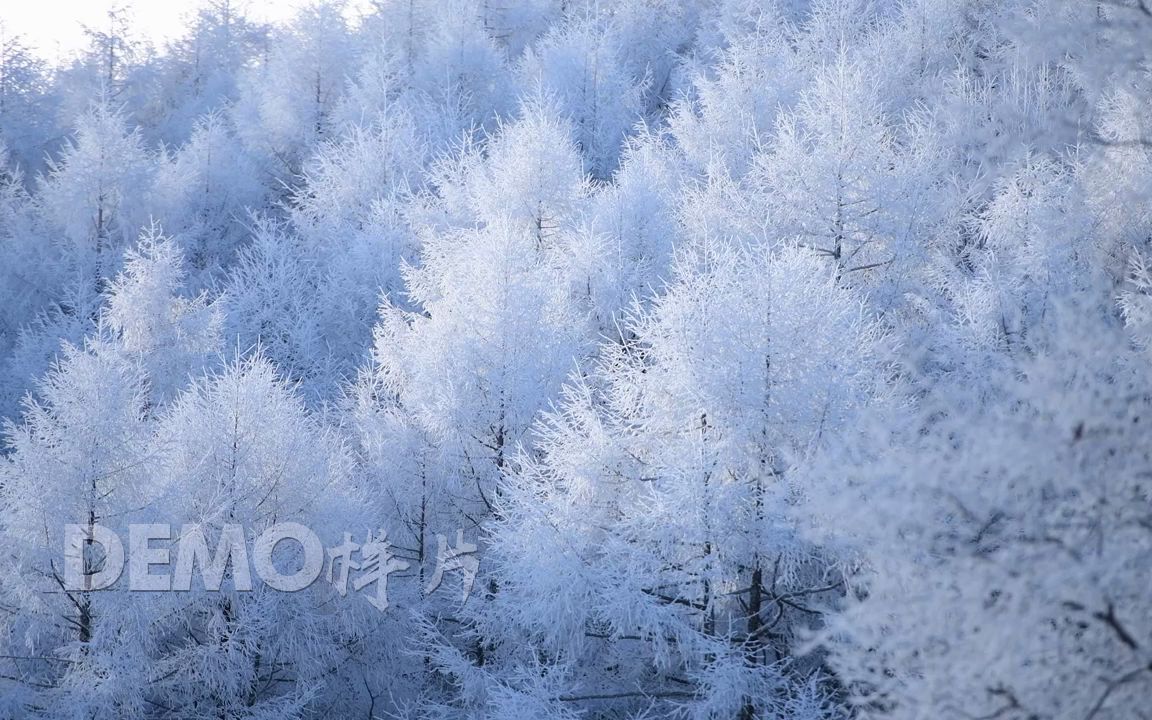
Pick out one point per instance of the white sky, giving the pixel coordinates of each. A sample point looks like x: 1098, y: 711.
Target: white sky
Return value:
x: 53, y: 27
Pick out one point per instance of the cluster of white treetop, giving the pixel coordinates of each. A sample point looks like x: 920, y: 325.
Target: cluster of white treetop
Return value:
x: 787, y: 359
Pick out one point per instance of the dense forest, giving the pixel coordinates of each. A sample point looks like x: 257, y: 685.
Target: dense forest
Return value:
x: 775, y: 359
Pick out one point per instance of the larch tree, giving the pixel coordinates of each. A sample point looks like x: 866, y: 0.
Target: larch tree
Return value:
x: 270, y: 296
x: 1004, y: 539
x: 27, y: 105
x: 839, y: 177
x: 352, y: 214
x: 77, y: 457
x: 200, y: 72
x: 87, y: 211
x: 780, y: 359
x: 621, y: 251
x: 649, y: 546
x: 173, y: 336
x: 202, y: 193
x: 239, y: 448
x: 28, y: 275
x: 578, y: 64
x: 93, y: 200
x: 289, y: 97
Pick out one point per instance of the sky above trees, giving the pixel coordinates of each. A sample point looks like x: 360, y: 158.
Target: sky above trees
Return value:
x: 54, y: 29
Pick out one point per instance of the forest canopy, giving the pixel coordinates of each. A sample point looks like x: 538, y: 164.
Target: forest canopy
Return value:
x: 742, y: 359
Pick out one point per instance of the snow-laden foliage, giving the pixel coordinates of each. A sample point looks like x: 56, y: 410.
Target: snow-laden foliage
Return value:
x: 725, y: 359
x: 652, y: 547
x: 1007, y: 547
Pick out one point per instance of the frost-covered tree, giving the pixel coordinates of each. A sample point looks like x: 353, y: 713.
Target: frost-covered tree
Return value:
x: 840, y: 177
x: 459, y: 364
x: 92, y: 199
x: 27, y: 275
x: 438, y: 58
x: 76, y: 458
x: 86, y: 212
x: 26, y: 104
x: 201, y: 71
x: 647, y: 558
x: 289, y: 97
x: 1006, y: 544
x: 116, y: 66
x: 352, y: 216
x: 531, y: 177
x: 240, y: 448
x: 271, y: 302
x: 579, y: 65
x: 733, y: 106
x: 622, y: 250
x: 491, y: 281
x: 768, y: 350
x: 202, y: 193
x: 172, y: 336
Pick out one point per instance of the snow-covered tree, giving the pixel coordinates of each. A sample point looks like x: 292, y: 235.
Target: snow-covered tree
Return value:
x: 271, y: 302
x: 733, y: 106
x: 76, y: 458
x: 93, y: 201
x: 172, y: 336
x: 781, y: 358
x: 240, y: 448
x: 202, y: 194
x: 440, y: 59
x: 86, y: 212
x: 579, y: 65
x: 27, y: 112
x: 532, y: 177
x: 352, y: 216
x: 201, y: 71
x: 459, y: 364
x: 840, y: 177
x: 647, y: 559
x: 622, y: 251
x: 1005, y: 543
x: 289, y: 97
x: 27, y: 274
